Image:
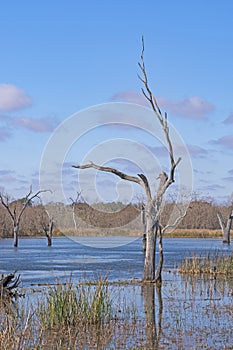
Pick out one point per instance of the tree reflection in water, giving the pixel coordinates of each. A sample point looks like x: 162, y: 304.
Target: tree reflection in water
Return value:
x: 153, y: 314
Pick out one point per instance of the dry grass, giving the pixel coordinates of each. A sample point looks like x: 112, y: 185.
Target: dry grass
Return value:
x: 103, y: 232
x: 103, y: 315
x: 194, y: 233
x: 217, y: 264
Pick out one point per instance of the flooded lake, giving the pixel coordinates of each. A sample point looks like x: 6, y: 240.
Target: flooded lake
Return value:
x: 187, y: 313
x: 38, y: 264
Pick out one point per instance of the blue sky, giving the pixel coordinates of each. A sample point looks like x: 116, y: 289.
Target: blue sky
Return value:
x: 60, y: 57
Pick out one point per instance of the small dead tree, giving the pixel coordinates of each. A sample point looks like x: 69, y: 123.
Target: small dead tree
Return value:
x: 16, y: 210
x: 47, y: 227
x: 226, y: 229
x: 74, y: 202
x: 153, y: 204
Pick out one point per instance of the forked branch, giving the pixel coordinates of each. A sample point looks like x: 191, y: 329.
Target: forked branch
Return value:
x: 162, y: 119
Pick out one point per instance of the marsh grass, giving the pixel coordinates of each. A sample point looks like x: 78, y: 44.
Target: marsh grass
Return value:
x: 136, y: 232
x: 70, y: 305
x: 196, y: 313
x: 216, y: 264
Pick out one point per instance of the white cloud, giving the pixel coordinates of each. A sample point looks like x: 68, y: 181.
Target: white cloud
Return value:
x: 228, y: 120
x: 190, y: 108
x: 225, y: 141
x: 13, y: 98
x: 130, y: 97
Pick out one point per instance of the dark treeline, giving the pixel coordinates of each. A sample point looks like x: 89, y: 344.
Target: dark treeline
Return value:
x: 200, y: 215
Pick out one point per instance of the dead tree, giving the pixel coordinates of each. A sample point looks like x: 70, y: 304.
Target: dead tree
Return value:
x: 153, y: 204
x: 47, y: 227
x: 74, y: 202
x: 226, y: 229
x: 16, y: 211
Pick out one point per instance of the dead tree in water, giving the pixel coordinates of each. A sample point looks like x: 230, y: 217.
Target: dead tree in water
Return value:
x: 226, y: 229
x: 74, y: 202
x: 16, y: 209
x: 153, y: 204
x: 48, y: 228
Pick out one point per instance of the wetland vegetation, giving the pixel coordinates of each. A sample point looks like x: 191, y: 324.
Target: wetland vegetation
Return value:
x: 101, y: 308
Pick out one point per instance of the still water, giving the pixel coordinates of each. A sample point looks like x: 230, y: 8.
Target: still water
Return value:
x: 39, y: 264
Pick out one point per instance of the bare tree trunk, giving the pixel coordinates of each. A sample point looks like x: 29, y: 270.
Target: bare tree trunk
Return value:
x: 48, y: 230
x: 16, y: 235
x: 226, y: 229
x: 158, y: 275
x: 143, y: 220
x: 50, y: 233
x: 151, y: 235
x: 149, y: 264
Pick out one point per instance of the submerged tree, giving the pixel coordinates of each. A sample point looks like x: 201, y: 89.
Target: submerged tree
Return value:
x: 153, y: 205
x: 226, y: 229
x: 16, y: 209
x: 47, y: 224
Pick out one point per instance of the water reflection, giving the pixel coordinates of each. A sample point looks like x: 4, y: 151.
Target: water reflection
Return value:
x: 153, y: 319
x: 185, y: 313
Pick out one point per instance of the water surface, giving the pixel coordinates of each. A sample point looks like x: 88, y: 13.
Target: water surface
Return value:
x: 38, y: 264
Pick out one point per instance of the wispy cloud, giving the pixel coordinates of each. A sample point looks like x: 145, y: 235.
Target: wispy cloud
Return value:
x: 230, y: 177
x: 197, y: 151
x: 189, y: 108
x: 228, y: 120
x: 130, y: 97
x: 37, y: 125
x: 6, y: 172
x: 13, y: 98
x: 225, y: 141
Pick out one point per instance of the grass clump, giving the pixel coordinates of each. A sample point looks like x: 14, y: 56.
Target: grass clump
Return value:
x: 67, y: 305
x: 211, y: 264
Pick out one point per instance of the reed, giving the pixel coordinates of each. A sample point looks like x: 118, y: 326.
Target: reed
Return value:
x: 215, y: 264
x: 70, y: 306
x: 194, y: 313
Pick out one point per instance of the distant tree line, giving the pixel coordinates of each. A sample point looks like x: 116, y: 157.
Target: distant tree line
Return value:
x: 200, y: 215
